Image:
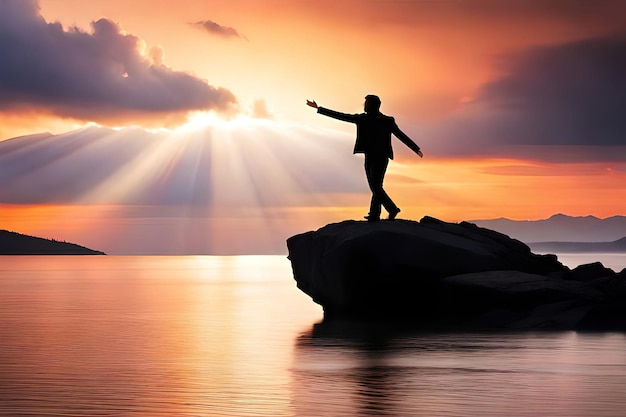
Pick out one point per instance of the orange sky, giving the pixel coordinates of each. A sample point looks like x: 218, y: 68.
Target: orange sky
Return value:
x: 514, y: 104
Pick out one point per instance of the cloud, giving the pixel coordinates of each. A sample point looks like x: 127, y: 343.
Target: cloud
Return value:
x: 99, y: 75
x: 260, y: 111
x: 560, y: 101
x: 572, y: 94
x: 219, y: 30
x: 507, y: 15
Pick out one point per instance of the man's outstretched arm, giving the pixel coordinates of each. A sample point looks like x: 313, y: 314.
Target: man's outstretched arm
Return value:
x: 406, y: 140
x: 352, y: 118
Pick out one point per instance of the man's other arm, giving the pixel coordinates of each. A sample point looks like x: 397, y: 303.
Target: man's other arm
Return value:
x: 405, y: 139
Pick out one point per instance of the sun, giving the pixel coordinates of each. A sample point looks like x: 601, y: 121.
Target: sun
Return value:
x: 201, y: 120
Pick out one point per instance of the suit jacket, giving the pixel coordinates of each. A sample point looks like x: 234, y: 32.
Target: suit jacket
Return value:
x: 373, y: 132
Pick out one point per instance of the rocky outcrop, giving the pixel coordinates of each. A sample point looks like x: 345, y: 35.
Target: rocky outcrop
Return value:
x: 12, y: 243
x: 433, y: 273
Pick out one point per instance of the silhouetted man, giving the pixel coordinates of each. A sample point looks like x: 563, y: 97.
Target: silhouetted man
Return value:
x: 373, y: 138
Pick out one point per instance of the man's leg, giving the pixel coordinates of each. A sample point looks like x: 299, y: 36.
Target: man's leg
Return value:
x: 375, y: 168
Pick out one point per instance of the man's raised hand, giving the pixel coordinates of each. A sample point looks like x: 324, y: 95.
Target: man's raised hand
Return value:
x: 311, y: 103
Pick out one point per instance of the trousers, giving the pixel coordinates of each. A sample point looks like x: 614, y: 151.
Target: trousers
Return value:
x: 375, y: 168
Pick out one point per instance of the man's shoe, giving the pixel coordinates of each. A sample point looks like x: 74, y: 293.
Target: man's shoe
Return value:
x: 372, y: 218
x: 393, y: 214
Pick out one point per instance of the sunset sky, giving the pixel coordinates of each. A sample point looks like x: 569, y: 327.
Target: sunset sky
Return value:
x: 181, y: 127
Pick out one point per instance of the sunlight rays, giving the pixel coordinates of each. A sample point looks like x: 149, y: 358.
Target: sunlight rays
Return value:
x: 197, y: 189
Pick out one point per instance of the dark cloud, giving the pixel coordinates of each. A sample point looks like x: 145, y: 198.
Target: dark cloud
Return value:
x: 587, y: 16
x: 548, y: 97
x: 100, y: 75
x: 575, y: 11
x: 571, y: 94
x: 219, y: 30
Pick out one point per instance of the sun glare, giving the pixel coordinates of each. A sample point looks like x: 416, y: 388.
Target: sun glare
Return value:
x: 199, y: 120
x: 203, y: 119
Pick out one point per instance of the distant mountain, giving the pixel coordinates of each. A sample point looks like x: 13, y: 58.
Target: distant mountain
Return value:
x: 617, y: 246
x: 560, y: 228
x: 12, y: 243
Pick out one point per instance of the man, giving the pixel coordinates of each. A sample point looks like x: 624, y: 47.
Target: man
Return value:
x: 373, y: 138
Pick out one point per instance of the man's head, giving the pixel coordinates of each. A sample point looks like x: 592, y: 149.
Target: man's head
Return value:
x: 372, y: 104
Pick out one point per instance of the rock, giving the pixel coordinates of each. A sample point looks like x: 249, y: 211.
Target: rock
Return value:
x: 614, y: 287
x: 512, y: 289
x: 437, y: 273
x: 589, y: 272
x: 12, y: 243
x: 520, y: 299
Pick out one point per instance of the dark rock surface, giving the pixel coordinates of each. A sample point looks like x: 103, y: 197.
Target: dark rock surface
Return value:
x: 433, y: 273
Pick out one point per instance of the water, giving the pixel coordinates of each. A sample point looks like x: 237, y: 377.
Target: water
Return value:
x: 615, y: 261
x: 232, y: 336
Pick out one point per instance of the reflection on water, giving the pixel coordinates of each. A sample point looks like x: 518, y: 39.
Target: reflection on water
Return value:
x: 232, y: 336
x: 148, y: 336
x: 352, y: 369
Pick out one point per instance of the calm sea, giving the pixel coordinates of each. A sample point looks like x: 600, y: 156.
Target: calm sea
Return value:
x: 232, y: 336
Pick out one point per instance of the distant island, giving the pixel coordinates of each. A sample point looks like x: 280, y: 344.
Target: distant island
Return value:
x: 12, y: 243
x: 617, y: 246
x: 561, y: 228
